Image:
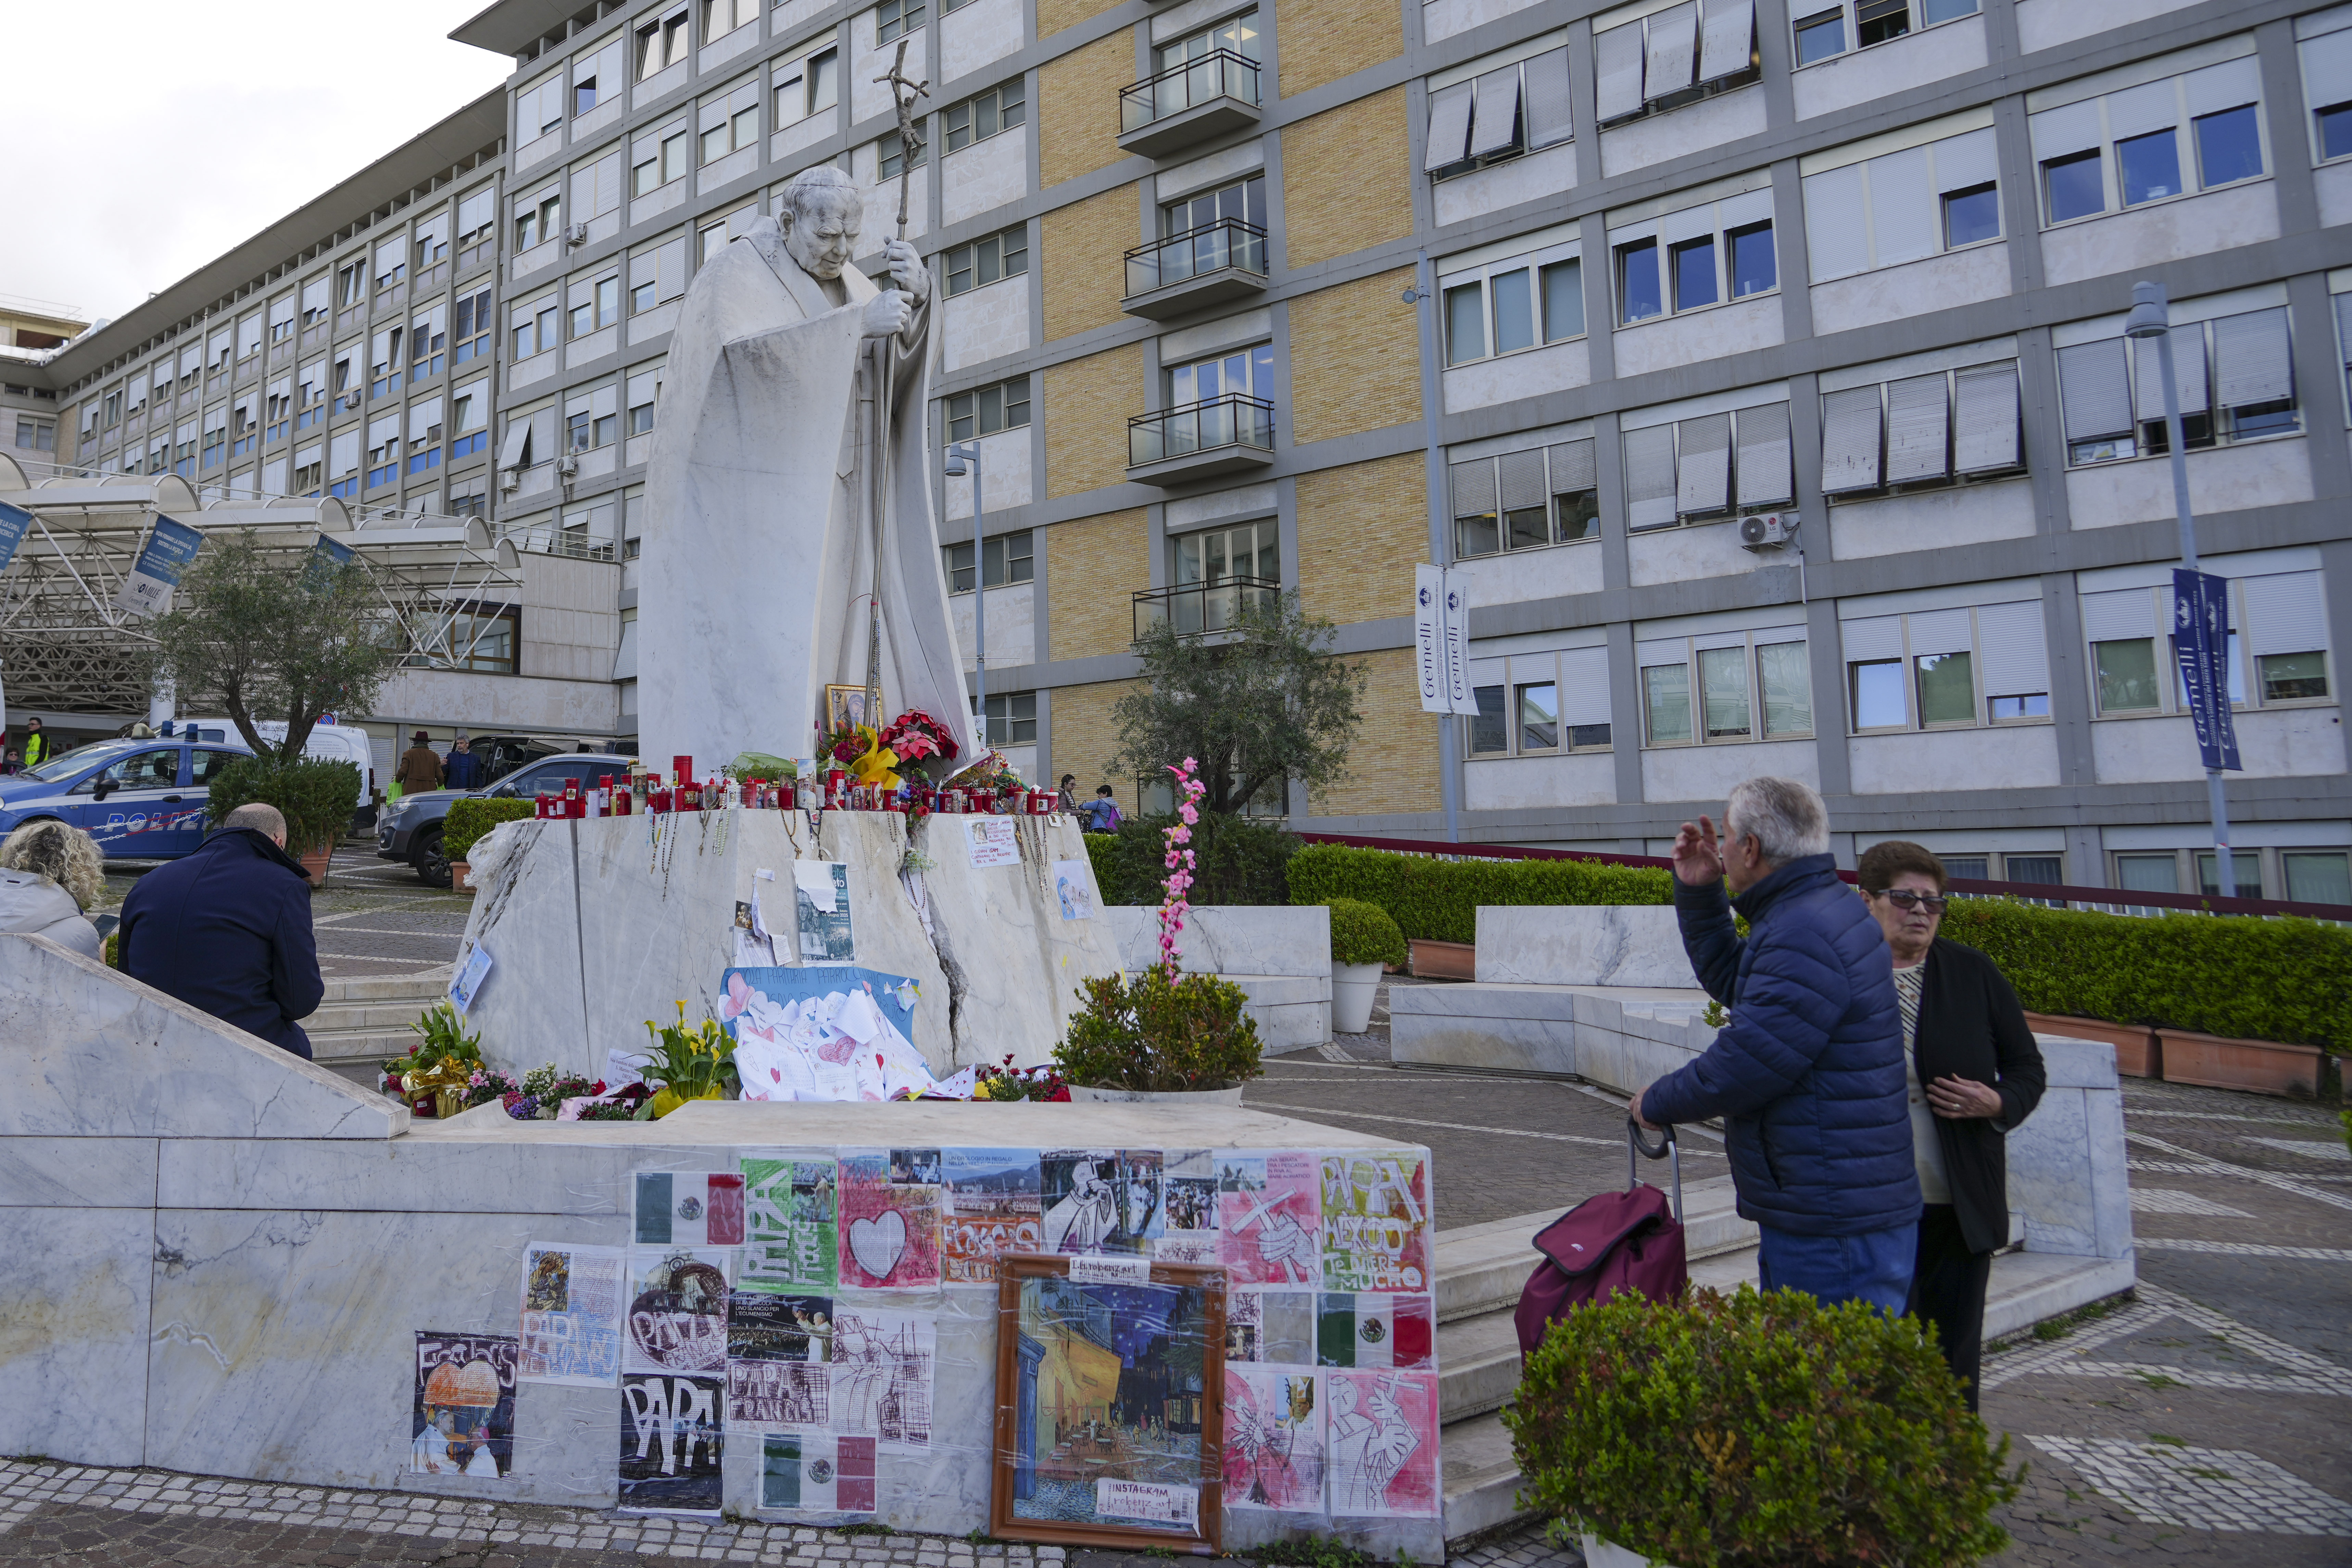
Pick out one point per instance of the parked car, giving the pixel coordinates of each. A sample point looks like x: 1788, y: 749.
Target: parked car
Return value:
x: 141, y: 799
x: 502, y: 755
x: 410, y: 828
x: 328, y: 742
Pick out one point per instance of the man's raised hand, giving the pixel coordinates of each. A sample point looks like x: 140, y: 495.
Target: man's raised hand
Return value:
x: 1698, y: 860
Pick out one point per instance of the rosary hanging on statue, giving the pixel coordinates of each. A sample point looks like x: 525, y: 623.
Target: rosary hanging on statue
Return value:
x: 903, y: 94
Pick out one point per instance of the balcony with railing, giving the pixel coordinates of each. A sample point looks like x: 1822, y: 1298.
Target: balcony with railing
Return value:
x: 1189, y: 103
x: 1211, y: 265
x: 1194, y: 608
x: 1220, y: 435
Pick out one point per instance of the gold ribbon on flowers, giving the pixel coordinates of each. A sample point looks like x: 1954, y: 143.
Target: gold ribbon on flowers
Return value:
x: 875, y: 767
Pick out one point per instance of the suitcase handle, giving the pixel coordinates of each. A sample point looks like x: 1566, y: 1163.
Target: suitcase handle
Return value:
x: 1638, y: 1148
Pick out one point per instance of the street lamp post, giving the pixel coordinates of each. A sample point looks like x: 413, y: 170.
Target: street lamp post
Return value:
x: 959, y: 453
x: 2151, y: 317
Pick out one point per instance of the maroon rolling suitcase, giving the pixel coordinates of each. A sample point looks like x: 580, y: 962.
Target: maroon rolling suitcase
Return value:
x: 1613, y: 1241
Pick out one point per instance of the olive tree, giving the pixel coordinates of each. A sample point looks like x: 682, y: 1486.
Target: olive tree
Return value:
x: 276, y: 635
x: 1263, y: 700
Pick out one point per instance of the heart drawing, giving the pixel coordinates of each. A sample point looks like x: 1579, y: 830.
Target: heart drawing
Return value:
x: 879, y: 1243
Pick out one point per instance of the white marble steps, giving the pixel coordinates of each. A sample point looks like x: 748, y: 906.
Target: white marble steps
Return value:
x: 365, y: 1020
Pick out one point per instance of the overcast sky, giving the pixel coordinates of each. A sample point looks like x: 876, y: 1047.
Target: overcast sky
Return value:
x: 146, y: 137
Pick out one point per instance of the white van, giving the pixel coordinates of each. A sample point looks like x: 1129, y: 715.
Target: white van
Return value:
x: 329, y: 742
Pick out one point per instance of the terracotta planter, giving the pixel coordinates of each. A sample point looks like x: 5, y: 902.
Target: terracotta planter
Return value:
x: 461, y: 877
x: 2265, y: 1067
x: 1443, y: 959
x: 2138, y: 1053
x: 314, y: 864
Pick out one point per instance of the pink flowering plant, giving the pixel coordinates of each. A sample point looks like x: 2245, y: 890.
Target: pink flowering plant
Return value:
x: 1162, y: 1029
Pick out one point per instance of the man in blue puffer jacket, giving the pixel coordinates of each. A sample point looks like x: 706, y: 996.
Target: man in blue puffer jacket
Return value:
x: 1808, y: 1076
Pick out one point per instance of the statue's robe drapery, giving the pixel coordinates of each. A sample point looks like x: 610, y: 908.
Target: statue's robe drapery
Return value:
x: 758, y: 543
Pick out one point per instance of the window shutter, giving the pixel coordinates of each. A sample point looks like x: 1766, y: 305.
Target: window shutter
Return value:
x: 1918, y: 426
x: 1939, y: 631
x: 1903, y: 220
x: 1584, y: 685
x: 2226, y: 86
x: 273, y: 477
x: 1985, y: 434
x: 2118, y: 615
x: 314, y: 294
x: 1571, y: 468
x: 1617, y: 68
x: 1966, y: 160
x: 1872, y: 636
x: 2011, y: 651
x: 672, y: 264
x: 387, y: 428
x: 1850, y: 440
x: 423, y: 416
x: 608, y: 185
x: 391, y: 254
x: 343, y: 454
x: 517, y: 445
x: 1650, y: 477
x: 1546, y: 101
x: 473, y: 397
x: 2187, y: 373
x: 1496, y: 122
x: 2137, y: 111
x: 2250, y: 358
x: 1837, y: 239
x: 1703, y: 477
x: 1667, y: 650
x: 1449, y: 126
x: 2285, y: 613
x: 1474, y: 488
x: 2327, y: 67
x: 1523, y: 480
x: 1727, y: 41
x: 2093, y: 390
x: 1674, y: 51
x: 307, y: 455
x: 2343, y: 301
x: 604, y: 400
x: 1765, y: 478
x: 475, y: 210
x: 2072, y: 128
x: 433, y: 230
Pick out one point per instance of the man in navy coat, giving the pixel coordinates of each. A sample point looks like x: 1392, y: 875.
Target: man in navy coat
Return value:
x: 227, y: 929
x: 1808, y: 1076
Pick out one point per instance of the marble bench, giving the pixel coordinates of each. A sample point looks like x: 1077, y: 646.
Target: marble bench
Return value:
x: 1280, y: 955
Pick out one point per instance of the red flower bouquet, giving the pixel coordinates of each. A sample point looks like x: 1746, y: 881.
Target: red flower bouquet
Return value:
x: 915, y: 736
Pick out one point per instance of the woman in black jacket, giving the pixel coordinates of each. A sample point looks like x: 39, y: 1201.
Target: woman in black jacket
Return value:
x: 1974, y: 1073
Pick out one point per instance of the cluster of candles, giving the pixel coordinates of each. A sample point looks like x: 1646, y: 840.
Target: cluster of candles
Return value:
x: 832, y: 790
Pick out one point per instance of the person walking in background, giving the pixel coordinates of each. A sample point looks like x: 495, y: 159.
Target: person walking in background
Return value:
x: 37, y: 746
x: 50, y: 875
x: 1808, y: 1076
x: 1971, y: 1072
x: 1102, y: 812
x: 1067, y: 797
x: 420, y: 767
x: 227, y: 929
x: 461, y: 769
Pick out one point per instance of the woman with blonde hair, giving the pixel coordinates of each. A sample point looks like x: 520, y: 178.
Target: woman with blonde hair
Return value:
x: 50, y: 874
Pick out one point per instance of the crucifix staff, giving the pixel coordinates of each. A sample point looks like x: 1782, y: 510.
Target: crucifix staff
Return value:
x: 903, y: 94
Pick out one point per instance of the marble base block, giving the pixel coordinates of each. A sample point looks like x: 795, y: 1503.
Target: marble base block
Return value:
x: 1581, y: 944
x: 1279, y: 955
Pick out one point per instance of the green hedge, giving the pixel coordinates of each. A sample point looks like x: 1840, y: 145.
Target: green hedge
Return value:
x: 1239, y: 861
x: 2286, y: 980
x: 469, y: 819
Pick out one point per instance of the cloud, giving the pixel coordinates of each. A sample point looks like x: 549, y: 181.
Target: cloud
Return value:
x: 148, y: 137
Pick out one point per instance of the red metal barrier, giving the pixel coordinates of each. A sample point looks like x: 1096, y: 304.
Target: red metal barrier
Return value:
x: 2045, y: 893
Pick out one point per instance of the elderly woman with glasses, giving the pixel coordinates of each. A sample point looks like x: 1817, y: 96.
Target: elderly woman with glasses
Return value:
x: 1973, y: 1073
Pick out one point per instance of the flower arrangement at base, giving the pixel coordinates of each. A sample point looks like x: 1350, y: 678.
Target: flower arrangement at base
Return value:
x: 916, y: 737
x: 621, y: 1105
x: 1006, y: 1081
x: 989, y: 774
x: 697, y: 1063
x: 541, y: 1095
x: 436, y: 1076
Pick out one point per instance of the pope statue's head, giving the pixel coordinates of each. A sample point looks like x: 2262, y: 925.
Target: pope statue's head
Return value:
x: 821, y: 214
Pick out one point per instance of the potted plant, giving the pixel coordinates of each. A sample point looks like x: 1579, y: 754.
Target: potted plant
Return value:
x: 468, y: 822
x: 314, y: 796
x: 440, y: 1075
x: 1750, y: 1431
x: 695, y: 1063
x: 1162, y: 1033
x: 1364, y: 938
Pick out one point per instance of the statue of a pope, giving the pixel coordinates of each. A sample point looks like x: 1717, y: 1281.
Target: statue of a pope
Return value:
x: 763, y: 524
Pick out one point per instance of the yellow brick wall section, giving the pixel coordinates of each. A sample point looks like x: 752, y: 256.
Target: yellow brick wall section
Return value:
x: 1087, y: 402
x: 1077, y: 107
x: 1085, y: 737
x: 1394, y: 766
x: 1053, y: 15
x: 1086, y: 245
x: 1323, y: 40
x: 1361, y: 530
x: 1092, y: 566
x: 1355, y: 359
x: 1346, y: 179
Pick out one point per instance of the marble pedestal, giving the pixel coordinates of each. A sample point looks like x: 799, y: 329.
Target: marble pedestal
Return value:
x: 595, y: 926
x: 1280, y: 955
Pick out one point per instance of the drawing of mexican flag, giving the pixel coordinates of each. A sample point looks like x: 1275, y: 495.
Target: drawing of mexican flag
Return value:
x: 1371, y: 1330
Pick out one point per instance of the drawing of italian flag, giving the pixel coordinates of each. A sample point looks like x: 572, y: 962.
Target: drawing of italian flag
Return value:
x: 1372, y: 1330
x: 817, y: 1473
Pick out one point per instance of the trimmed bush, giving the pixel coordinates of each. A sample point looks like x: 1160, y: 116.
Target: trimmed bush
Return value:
x: 469, y: 820
x: 1142, y: 1033
x: 1437, y: 900
x: 316, y: 796
x: 1363, y: 934
x: 1756, y: 1431
x: 2286, y: 980
x: 1240, y: 861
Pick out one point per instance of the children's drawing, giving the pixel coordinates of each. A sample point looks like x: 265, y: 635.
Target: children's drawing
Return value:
x: 1376, y: 1221
x: 1383, y: 1443
x: 991, y: 1208
x: 1101, y: 1200
x: 671, y: 1442
x: 690, y: 1208
x: 817, y: 1473
x: 1366, y: 1331
x: 571, y: 1315
x: 1266, y: 1218
x: 1274, y: 1440
x: 462, y: 1423
x: 889, y: 1230
x: 789, y: 1214
x: 882, y: 1370
x: 677, y: 1310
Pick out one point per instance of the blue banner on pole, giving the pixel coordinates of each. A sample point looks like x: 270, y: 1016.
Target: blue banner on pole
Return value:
x: 327, y: 557
x: 148, y: 589
x: 2200, y: 639
x: 13, y: 521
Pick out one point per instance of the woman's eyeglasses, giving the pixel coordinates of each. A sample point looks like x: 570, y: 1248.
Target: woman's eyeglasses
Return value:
x: 1904, y: 898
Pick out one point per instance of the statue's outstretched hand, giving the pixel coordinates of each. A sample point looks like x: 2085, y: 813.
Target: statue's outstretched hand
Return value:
x: 887, y: 314
x: 906, y: 269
